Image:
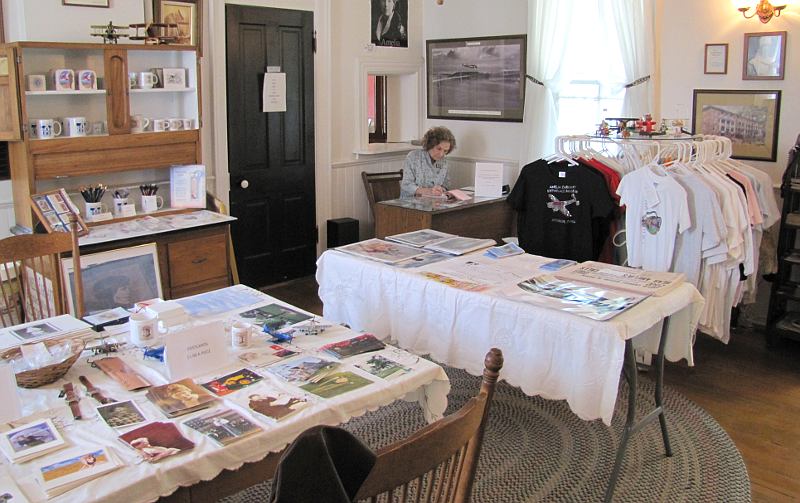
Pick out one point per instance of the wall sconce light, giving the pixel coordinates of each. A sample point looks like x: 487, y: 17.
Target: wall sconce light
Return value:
x: 764, y: 10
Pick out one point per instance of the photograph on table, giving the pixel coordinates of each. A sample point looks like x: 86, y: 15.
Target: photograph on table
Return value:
x: 335, y: 384
x: 764, y: 55
x: 476, y: 78
x: 748, y: 118
x: 68, y: 473
x: 121, y: 414
x: 156, y: 441
x: 223, y: 426
x: 271, y: 403
x: 115, y: 278
x: 234, y: 381
x: 273, y: 316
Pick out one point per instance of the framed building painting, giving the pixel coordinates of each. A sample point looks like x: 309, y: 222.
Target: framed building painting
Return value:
x: 749, y: 118
x: 187, y: 15
x: 477, y: 78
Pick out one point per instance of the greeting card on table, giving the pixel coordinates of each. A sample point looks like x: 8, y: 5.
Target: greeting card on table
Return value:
x: 31, y: 440
x: 76, y: 469
x: 223, y: 426
x: 180, y: 397
x: 383, y: 367
x: 234, y: 381
x: 357, y: 345
x: 304, y: 369
x: 335, y: 384
x: 156, y: 441
x: 121, y: 414
x: 273, y: 404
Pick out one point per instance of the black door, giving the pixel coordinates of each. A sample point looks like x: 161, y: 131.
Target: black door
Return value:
x: 271, y: 154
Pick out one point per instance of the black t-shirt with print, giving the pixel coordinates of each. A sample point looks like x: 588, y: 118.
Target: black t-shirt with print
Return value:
x: 556, y: 204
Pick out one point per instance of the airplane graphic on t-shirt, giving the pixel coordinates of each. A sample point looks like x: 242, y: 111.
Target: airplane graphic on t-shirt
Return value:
x: 561, y: 206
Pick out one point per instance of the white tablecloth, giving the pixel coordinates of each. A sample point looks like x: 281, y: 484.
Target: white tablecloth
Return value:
x: 547, y: 352
x: 140, y: 481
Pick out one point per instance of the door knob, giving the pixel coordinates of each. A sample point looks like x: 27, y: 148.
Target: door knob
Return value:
x: 244, y: 184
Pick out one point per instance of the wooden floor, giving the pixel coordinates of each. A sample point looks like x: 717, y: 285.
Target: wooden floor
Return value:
x: 752, y: 391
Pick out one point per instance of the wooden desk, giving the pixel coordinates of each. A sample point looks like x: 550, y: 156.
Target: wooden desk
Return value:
x: 477, y: 218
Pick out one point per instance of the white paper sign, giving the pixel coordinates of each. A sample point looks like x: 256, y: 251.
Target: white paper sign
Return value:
x: 12, y: 408
x: 274, y: 94
x: 488, y: 179
x: 187, y: 186
x: 196, y: 350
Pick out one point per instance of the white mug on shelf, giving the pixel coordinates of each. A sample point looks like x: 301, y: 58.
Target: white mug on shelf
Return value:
x: 175, y: 124
x: 75, y: 126
x: 143, y: 327
x: 37, y: 82
x: 146, y: 80
x: 160, y: 125
x: 152, y: 203
x: 47, y: 128
x: 139, y: 123
x: 62, y: 79
x: 187, y: 123
x: 87, y: 80
x: 132, y: 80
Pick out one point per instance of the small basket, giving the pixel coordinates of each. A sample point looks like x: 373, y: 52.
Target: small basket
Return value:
x: 34, y: 378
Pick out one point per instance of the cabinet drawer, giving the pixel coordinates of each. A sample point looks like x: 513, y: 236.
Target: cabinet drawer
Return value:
x: 198, y: 259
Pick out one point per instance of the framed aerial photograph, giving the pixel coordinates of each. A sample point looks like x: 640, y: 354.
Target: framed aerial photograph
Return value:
x: 764, y: 55
x: 749, y: 118
x: 184, y: 13
x: 476, y: 78
x: 715, y: 61
x: 114, y: 278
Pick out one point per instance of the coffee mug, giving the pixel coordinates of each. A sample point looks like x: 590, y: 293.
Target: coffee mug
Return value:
x: 98, y: 127
x: 93, y: 209
x: 139, y: 123
x: 160, y: 125
x: 63, y: 79
x: 146, y: 80
x: 143, y: 328
x: 240, y: 334
x: 87, y: 80
x: 47, y: 128
x: 187, y: 124
x: 175, y: 124
x: 119, y: 202
x: 132, y: 80
x: 152, y: 203
x: 75, y: 126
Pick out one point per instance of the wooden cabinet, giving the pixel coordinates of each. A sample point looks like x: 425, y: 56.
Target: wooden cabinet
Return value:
x: 112, y: 147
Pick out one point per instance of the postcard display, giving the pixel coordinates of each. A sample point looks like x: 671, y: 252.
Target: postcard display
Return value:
x: 142, y: 443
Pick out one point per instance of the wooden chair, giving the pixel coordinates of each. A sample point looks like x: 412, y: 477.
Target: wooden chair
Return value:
x: 437, y: 463
x: 381, y: 186
x: 32, y: 283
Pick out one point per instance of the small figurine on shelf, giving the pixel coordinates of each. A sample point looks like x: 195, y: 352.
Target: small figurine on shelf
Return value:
x: 109, y: 32
x: 624, y: 129
x: 603, y: 129
x: 646, y: 124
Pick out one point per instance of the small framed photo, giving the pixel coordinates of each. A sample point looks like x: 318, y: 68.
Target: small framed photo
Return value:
x: 764, y: 55
x: 186, y: 15
x: 86, y: 3
x: 715, y: 61
x: 174, y: 78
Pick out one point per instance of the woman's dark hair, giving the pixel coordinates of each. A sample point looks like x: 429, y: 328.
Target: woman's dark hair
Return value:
x: 437, y: 135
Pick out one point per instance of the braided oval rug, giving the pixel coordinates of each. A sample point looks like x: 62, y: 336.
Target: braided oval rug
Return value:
x: 539, y: 450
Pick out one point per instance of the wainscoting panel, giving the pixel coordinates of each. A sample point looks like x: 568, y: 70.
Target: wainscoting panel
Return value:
x: 350, y: 200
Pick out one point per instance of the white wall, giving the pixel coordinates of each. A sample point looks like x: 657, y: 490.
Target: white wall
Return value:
x: 50, y: 21
x: 688, y: 25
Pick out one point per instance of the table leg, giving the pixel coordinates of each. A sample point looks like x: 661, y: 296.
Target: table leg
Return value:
x: 631, y: 426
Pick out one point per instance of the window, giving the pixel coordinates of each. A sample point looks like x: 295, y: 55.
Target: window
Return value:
x: 376, y: 109
x: 594, y: 71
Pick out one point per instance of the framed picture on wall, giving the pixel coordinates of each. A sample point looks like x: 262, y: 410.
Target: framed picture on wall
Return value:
x: 389, y: 25
x: 764, y: 55
x: 715, y: 61
x: 86, y: 3
x: 187, y: 15
x: 749, y: 118
x: 476, y: 78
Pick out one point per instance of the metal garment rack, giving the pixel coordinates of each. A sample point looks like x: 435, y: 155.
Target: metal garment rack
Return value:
x: 631, y: 425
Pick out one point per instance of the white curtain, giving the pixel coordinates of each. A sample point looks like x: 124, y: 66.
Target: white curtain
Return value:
x: 548, y: 33
x: 635, y: 24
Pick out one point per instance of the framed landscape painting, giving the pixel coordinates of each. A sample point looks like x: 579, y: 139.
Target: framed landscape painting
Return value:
x: 477, y: 78
x: 749, y: 118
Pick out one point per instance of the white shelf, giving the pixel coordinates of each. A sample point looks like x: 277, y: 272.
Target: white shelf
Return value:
x: 162, y: 90
x: 64, y: 93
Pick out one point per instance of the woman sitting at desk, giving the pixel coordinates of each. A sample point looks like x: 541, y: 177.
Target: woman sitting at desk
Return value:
x: 425, y: 170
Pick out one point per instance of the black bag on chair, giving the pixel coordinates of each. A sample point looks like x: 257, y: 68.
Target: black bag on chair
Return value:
x: 324, y: 463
